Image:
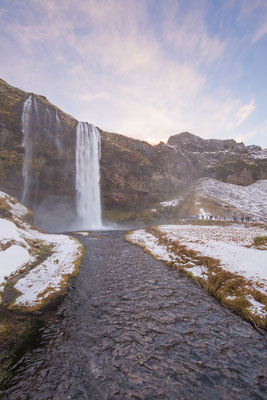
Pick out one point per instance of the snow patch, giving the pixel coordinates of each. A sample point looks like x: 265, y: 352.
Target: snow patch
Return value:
x: 198, y: 271
x: 261, y: 154
x: 16, y: 209
x: 44, y: 279
x: 249, y: 200
x: 11, y: 260
x: 49, y: 273
x: 171, y: 203
x: 256, y: 307
x: 150, y: 243
x: 8, y: 231
x: 226, y: 244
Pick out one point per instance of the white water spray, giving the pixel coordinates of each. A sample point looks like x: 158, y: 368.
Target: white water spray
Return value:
x: 88, y: 153
x: 58, y: 131
x: 27, y: 144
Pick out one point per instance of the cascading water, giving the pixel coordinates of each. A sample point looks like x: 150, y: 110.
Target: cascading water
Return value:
x: 27, y: 144
x: 88, y: 153
x: 58, y: 132
x: 40, y: 125
x: 44, y: 139
x: 52, y: 128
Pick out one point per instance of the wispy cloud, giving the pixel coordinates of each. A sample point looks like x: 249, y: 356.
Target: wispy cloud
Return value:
x: 147, y: 68
x: 244, y: 112
x: 261, y: 30
x: 189, y: 34
x: 256, y: 13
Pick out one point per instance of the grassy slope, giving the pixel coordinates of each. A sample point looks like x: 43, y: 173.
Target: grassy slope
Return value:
x: 231, y: 289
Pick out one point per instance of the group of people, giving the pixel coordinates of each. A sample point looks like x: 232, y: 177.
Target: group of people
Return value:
x: 205, y: 216
x: 235, y: 217
x: 243, y: 218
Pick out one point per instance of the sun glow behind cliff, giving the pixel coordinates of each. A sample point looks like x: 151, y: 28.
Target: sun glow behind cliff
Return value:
x: 88, y: 153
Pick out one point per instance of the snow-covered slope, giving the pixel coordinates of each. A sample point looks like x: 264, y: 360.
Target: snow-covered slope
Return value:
x: 250, y: 200
x: 256, y: 153
x: 40, y: 263
x: 212, y: 199
x: 226, y: 260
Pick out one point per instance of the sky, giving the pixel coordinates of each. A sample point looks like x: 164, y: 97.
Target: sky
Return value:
x: 147, y: 69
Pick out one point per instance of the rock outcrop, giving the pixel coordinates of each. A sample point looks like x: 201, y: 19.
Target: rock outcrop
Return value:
x: 134, y: 174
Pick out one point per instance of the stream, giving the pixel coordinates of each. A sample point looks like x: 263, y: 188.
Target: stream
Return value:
x: 132, y: 328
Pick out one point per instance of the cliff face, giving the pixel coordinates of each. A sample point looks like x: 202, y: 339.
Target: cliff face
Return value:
x: 134, y: 174
x: 11, y: 152
x: 225, y: 160
x: 52, y: 137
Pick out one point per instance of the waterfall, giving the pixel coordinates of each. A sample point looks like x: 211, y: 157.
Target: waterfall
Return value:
x: 44, y: 144
x: 58, y: 132
x: 27, y: 144
x: 52, y: 128
x: 88, y: 153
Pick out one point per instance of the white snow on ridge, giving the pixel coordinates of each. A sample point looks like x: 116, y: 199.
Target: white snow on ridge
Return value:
x: 251, y: 200
x: 259, y: 154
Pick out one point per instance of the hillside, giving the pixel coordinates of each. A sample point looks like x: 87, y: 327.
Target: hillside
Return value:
x: 249, y: 200
x: 209, y: 198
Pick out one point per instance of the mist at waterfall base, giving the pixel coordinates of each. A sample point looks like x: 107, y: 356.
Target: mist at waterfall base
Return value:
x: 85, y: 214
x: 60, y: 217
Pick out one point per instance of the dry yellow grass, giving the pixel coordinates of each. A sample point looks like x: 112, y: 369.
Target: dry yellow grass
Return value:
x: 231, y: 289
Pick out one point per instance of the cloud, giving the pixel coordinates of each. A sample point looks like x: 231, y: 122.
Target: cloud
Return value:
x: 261, y: 31
x: 244, y: 112
x: 189, y: 34
x: 123, y: 68
x: 254, y: 13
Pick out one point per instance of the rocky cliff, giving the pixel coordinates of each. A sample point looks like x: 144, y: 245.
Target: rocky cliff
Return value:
x: 134, y: 174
